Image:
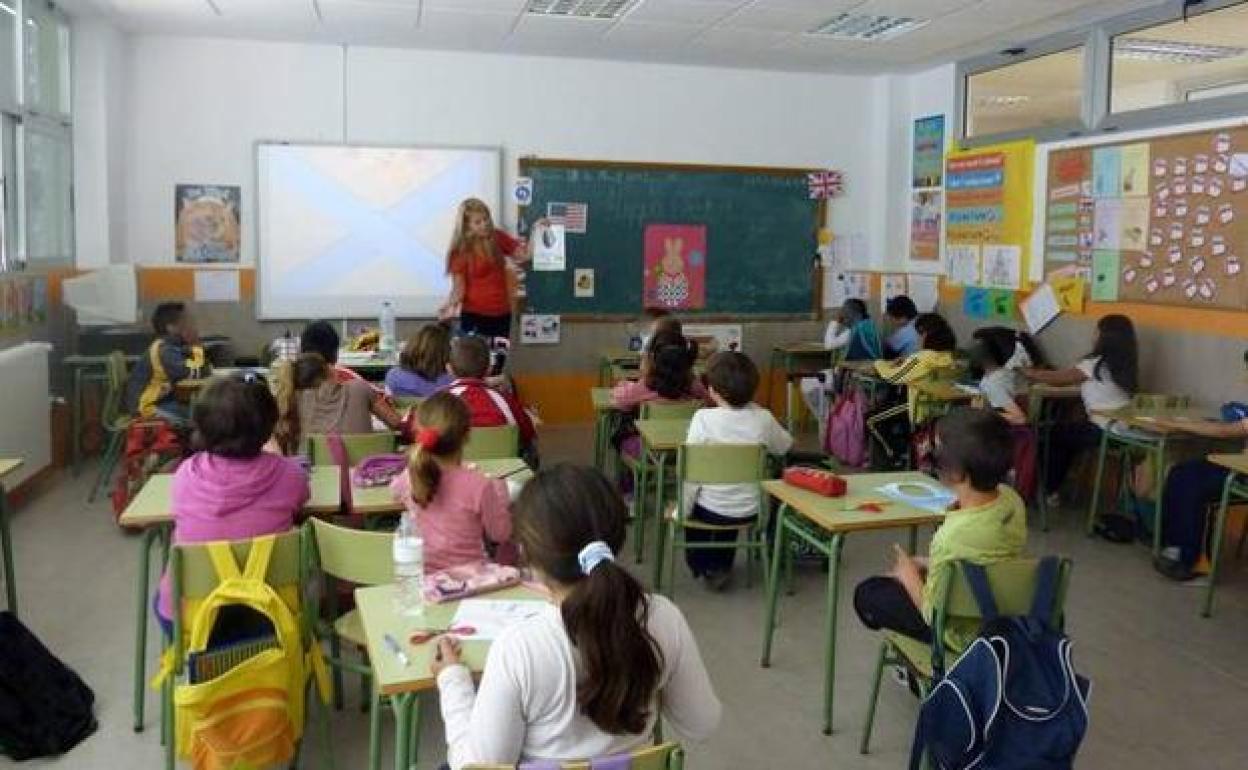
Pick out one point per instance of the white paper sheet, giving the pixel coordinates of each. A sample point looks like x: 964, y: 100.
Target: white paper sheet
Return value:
x: 583, y: 282
x: 963, y: 264
x: 1003, y: 267
x: 891, y: 286
x: 216, y: 286
x: 1040, y: 308
x: 539, y: 329
x: 490, y: 617
x: 925, y: 291
x: 548, y: 248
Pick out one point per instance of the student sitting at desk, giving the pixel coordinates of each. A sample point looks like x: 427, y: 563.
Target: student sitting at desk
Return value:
x: 453, y: 506
x: 1000, y: 354
x: 590, y: 674
x: 311, y: 401
x: 174, y: 355
x: 488, y: 406
x: 422, y: 364
x: 1192, y: 488
x: 230, y: 489
x: 900, y: 314
x: 852, y: 330
x: 987, y: 525
x: 666, y: 376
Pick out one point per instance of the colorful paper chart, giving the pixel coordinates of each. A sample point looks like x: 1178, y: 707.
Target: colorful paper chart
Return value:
x: 975, y: 302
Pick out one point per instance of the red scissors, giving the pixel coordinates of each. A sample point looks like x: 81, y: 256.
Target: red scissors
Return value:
x: 429, y: 634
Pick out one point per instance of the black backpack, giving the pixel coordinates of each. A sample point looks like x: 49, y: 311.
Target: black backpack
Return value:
x: 45, y: 709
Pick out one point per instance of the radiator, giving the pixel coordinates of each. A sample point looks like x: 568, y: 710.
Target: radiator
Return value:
x: 25, y: 418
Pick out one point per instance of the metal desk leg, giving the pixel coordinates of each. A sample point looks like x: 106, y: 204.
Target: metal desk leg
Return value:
x: 1093, y: 507
x: 773, y: 587
x: 6, y: 540
x: 660, y: 539
x: 140, y: 644
x: 405, y: 707
x: 1219, y: 530
x: 75, y: 441
x: 834, y: 571
x: 1158, y: 488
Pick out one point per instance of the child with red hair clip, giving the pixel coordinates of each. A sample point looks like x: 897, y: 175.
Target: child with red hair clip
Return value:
x: 455, y: 507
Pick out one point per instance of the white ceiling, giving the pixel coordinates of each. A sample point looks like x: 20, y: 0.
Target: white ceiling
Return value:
x: 766, y: 34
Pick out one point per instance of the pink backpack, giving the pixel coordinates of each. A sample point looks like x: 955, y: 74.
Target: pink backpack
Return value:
x: 846, y: 439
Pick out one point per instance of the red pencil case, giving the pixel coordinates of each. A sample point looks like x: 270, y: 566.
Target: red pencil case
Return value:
x: 821, y: 482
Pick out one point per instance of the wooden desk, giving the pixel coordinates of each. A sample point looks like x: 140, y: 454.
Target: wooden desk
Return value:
x: 1237, y: 464
x: 83, y: 369
x: 788, y: 358
x: 1152, y: 442
x: 823, y: 523
x: 609, y: 358
x: 405, y: 684
x: 659, y: 441
x: 7, y: 466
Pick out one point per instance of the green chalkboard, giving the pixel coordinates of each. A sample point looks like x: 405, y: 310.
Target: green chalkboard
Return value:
x: 761, y: 233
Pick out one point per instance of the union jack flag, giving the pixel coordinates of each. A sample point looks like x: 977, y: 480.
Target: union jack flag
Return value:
x: 573, y: 216
x: 825, y: 184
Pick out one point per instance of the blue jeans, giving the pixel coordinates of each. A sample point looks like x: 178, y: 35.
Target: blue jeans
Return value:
x: 1190, y: 489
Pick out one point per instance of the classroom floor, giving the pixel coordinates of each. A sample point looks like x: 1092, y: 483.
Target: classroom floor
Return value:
x: 1169, y: 689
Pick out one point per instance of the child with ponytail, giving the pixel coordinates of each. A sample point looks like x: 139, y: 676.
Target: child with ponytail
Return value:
x: 312, y: 401
x: 455, y: 507
x: 589, y: 675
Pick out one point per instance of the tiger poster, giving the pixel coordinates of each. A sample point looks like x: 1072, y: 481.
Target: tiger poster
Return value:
x: 206, y: 218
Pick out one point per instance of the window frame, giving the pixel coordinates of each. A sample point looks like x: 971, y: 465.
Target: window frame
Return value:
x: 1096, y: 119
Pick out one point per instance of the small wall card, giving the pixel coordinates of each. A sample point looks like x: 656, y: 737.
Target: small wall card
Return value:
x: 963, y: 264
x: 539, y: 329
x: 583, y: 282
x: 713, y: 338
x: 523, y: 191
x: 675, y: 267
x: 216, y: 286
x: 206, y: 222
x: 550, y: 247
x: 1001, y: 304
x: 1003, y: 267
x: 891, y: 286
x: 925, y: 291
x: 975, y: 302
x: 1040, y: 308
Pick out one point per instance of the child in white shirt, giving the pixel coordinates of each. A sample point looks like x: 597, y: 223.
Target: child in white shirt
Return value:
x: 588, y: 675
x: 1002, y: 353
x: 731, y: 379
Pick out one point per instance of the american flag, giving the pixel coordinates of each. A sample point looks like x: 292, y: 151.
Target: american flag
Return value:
x: 825, y: 184
x: 573, y: 216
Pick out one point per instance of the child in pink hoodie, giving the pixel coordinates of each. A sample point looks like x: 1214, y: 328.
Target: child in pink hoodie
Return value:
x: 230, y: 489
x: 455, y: 507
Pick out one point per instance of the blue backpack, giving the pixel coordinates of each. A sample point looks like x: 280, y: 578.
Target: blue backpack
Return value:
x: 1012, y: 701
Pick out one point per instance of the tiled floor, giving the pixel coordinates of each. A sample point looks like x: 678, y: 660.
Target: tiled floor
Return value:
x: 1170, y: 689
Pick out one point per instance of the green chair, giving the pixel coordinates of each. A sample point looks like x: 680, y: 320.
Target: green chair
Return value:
x: 361, y: 558
x: 1013, y: 586
x: 666, y: 756
x: 717, y: 464
x: 494, y: 443
x: 193, y: 576
x: 358, y: 446
x: 114, y: 420
x: 403, y: 403
x: 670, y: 410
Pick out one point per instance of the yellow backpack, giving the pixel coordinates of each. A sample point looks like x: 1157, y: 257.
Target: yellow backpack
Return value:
x: 251, y: 714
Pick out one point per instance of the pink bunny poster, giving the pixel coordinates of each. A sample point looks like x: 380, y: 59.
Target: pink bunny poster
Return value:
x: 675, y: 265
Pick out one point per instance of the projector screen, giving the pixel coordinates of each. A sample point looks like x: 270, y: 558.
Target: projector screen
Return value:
x: 343, y: 228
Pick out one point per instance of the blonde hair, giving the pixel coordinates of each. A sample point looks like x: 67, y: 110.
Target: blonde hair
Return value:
x: 427, y: 351
x: 463, y: 242
x: 443, y: 423
x: 307, y: 371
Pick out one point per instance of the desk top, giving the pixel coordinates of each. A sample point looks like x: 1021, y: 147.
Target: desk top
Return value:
x: 619, y: 355
x: 837, y: 514
x: 377, y: 615
x: 81, y: 360
x: 10, y: 464
x: 799, y: 348
x: 941, y: 390
x: 153, y: 505
x: 600, y: 398
x: 663, y: 434
x: 858, y: 367
x: 1146, y: 419
x: 1237, y: 462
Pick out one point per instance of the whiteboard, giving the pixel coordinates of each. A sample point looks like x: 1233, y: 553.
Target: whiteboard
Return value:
x: 343, y: 228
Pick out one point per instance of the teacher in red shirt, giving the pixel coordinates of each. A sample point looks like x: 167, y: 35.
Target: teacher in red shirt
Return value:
x: 483, y: 283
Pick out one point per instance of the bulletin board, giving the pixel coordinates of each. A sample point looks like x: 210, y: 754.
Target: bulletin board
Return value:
x: 988, y: 221
x: 1160, y: 221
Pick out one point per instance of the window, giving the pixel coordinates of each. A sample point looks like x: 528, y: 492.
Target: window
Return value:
x: 1043, y: 92
x: 8, y: 55
x: 49, y: 191
x: 47, y: 64
x: 1204, y: 57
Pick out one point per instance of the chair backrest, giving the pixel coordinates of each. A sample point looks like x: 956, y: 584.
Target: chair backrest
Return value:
x: 494, y: 443
x: 354, y: 555
x: 669, y: 410
x: 115, y: 391
x: 358, y: 446
x: 1160, y: 401
x: 197, y: 576
x: 1013, y: 584
x: 403, y: 403
x: 721, y: 463
x: 665, y: 756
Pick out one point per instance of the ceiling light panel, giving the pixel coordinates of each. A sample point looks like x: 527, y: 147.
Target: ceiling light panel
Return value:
x: 581, y: 9
x: 867, y: 27
x: 1143, y: 49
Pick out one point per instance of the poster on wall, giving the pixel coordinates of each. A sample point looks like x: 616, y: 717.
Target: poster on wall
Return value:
x: 675, y: 267
x: 206, y: 223
x: 925, y: 218
x: 988, y: 204
x: 927, y: 165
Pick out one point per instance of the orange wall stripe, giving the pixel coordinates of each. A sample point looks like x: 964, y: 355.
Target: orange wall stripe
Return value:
x: 174, y: 283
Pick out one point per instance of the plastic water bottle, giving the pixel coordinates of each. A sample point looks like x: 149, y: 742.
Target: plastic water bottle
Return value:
x: 385, y: 324
x: 409, y: 568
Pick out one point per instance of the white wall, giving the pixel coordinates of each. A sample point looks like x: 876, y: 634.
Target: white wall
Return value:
x: 99, y: 60
x: 196, y: 107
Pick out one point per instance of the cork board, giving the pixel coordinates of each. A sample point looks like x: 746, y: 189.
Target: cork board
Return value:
x: 1159, y: 221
